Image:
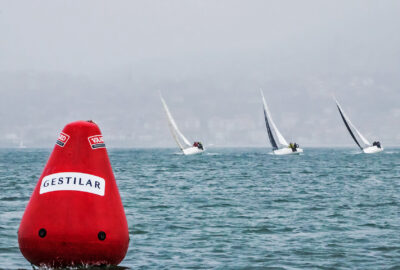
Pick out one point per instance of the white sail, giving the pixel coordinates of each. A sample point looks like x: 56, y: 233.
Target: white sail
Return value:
x: 174, y: 128
x: 352, y: 125
x: 21, y: 144
x: 281, y: 139
x: 362, y: 137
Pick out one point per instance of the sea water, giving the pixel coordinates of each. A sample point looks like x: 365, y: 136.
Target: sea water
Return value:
x: 236, y: 208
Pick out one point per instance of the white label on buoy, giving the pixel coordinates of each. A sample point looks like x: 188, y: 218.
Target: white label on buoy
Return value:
x: 73, y: 181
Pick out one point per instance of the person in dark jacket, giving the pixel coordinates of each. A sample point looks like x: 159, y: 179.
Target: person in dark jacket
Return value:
x: 377, y: 144
x: 293, y: 147
x: 198, y: 145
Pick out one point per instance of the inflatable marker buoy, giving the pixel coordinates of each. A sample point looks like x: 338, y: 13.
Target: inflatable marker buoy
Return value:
x: 75, y: 215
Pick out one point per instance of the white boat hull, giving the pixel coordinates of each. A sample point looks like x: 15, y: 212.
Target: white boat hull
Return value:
x: 287, y: 151
x: 192, y: 150
x: 372, y: 150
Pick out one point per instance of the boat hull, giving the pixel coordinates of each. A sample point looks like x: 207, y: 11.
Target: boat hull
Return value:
x: 287, y: 151
x: 372, y: 150
x: 192, y: 151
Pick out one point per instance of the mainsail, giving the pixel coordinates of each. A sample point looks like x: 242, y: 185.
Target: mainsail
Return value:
x: 270, y: 135
x: 176, y: 133
x: 267, y: 116
x: 350, y: 125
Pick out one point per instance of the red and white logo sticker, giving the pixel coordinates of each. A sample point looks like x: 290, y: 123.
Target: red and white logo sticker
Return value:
x: 62, y: 139
x: 96, y: 142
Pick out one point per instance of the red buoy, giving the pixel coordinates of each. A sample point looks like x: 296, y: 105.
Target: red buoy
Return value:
x: 75, y: 215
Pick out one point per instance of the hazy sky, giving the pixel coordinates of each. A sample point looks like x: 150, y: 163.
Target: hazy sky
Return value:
x: 62, y: 61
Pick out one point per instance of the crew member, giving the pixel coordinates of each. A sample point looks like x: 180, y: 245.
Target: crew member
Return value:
x: 377, y: 144
x: 293, y: 147
x: 200, y: 145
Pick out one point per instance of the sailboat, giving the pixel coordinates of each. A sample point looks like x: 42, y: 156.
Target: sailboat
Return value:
x: 186, y: 147
x: 21, y: 144
x: 367, y: 147
x: 279, y: 146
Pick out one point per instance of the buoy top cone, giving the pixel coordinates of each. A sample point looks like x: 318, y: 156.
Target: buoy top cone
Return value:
x: 75, y: 215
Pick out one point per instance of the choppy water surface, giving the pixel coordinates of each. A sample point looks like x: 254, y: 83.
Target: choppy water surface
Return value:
x: 237, y: 209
